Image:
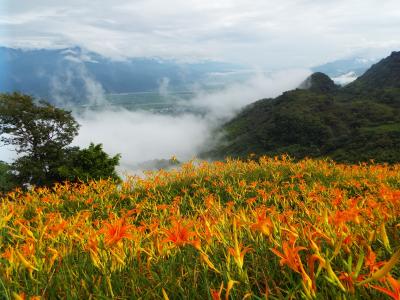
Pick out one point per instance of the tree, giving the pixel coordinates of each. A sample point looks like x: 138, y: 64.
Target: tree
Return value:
x: 89, y: 163
x: 6, y: 179
x: 41, y: 135
x: 34, y: 128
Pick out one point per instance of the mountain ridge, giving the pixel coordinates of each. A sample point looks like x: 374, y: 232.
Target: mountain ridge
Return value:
x: 384, y: 74
x: 347, y: 124
x: 74, y: 74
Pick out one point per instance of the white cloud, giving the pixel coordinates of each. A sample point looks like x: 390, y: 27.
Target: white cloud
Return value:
x: 284, y: 33
x: 259, y: 33
x: 345, y: 78
x: 7, y: 154
x: 62, y: 86
x: 141, y: 136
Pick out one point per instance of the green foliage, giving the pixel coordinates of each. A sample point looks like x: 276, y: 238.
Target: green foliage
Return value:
x: 89, y: 163
x: 34, y: 128
x: 41, y: 135
x: 319, y: 82
x: 385, y: 74
x: 6, y: 179
x: 359, y: 122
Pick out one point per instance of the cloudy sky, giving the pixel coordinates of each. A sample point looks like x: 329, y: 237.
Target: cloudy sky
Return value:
x: 273, y: 33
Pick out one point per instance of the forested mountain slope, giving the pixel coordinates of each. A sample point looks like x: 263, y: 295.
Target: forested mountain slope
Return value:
x: 358, y: 122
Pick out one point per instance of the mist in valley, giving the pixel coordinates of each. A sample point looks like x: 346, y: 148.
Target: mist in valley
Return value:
x: 144, y: 136
x: 148, y: 127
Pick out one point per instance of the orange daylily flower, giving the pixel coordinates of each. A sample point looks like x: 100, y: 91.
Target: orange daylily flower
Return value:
x: 349, y: 280
x: 370, y: 261
x: 216, y: 294
x: 162, y: 206
x: 21, y: 296
x: 92, y: 243
x: 290, y: 256
x: 387, y: 267
x: 394, y: 292
x: 251, y: 200
x: 8, y: 254
x: 238, y: 253
x: 58, y: 228
x: 342, y: 217
x: 114, y: 232
x: 263, y: 223
x: 28, y: 248
x: 180, y: 235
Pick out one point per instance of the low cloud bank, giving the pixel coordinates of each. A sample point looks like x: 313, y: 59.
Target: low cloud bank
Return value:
x: 141, y: 136
x: 225, y: 103
x: 345, y: 78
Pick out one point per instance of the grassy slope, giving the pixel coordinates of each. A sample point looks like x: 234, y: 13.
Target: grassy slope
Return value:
x: 195, y: 231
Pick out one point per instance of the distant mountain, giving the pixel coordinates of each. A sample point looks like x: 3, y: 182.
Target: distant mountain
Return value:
x: 344, y: 71
x: 75, y: 75
x: 383, y: 75
x: 319, y: 82
x: 355, y: 123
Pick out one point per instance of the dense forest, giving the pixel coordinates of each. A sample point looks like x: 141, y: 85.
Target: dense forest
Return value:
x: 354, y: 123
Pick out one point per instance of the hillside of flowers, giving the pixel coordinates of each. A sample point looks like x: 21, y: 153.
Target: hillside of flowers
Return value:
x: 267, y: 229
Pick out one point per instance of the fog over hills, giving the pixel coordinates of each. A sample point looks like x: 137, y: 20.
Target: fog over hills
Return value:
x: 75, y: 75
x: 150, y: 108
x: 344, y: 71
x: 357, y: 122
x: 142, y: 126
x: 142, y: 136
x: 78, y: 76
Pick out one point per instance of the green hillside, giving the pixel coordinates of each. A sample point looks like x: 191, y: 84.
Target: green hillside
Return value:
x: 355, y: 123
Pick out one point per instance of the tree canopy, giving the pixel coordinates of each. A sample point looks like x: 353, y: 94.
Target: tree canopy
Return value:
x: 355, y: 123
x: 89, y: 163
x: 34, y: 127
x: 41, y: 135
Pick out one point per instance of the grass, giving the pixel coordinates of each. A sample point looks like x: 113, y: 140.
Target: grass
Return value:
x: 271, y: 229
x: 395, y: 127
